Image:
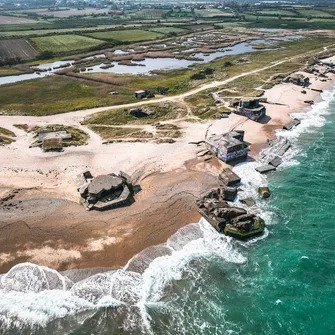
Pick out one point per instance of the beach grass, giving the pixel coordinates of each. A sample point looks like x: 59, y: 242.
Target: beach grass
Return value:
x: 163, y: 112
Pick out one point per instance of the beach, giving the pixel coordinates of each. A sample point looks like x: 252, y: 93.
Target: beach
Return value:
x: 44, y: 223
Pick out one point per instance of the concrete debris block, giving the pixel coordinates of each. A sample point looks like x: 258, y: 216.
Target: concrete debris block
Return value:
x: 264, y: 192
x: 83, y: 190
x: 229, y: 178
x: 248, y: 201
x: 265, y: 168
x: 276, y: 161
x: 292, y: 124
x: 230, y: 220
x: 125, y: 176
x: 229, y: 193
x: 87, y: 175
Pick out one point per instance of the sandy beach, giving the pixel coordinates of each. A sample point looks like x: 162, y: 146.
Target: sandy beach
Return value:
x: 41, y: 220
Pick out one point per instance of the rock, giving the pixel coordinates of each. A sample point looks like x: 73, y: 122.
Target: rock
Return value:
x: 265, y: 168
x: 264, y: 192
x: 83, y: 190
x: 248, y: 201
x: 229, y: 193
x: 310, y: 102
x: 229, y: 178
x: 276, y: 161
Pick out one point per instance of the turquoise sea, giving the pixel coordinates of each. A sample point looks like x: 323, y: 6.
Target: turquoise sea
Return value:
x: 202, y: 283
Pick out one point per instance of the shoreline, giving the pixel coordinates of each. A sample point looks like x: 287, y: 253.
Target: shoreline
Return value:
x: 45, y: 235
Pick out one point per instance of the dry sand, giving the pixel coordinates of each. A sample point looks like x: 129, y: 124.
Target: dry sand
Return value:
x: 44, y: 223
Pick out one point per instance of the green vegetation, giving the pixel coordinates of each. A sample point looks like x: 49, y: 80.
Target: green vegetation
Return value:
x: 6, y: 136
x: 108, y: 133
x: 164, y: 111
x: 79, y: 137
x: 64, y: 43
x: 55, y: 94
x: 126, y: 35
x: 168, y: 30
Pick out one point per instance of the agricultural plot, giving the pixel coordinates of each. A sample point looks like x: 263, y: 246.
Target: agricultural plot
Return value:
x: 17, y: 48
x: 126, y: 35
x: 64, y: 43
x: 167, y: 30
x: 16, y: 20
x: 313, y: 13
x: 66, y: 12
x: 149, y: 14
x: 276, y: 12
x: 212, y: 12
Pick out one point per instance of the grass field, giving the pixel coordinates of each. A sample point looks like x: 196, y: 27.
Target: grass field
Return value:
x: 17, y: 48
x: 126, y: 35
x: 276, y: 12
x: 314, y: 13
x: 166, y: 30
x: 166, y: 111
x: 35, y: 32
x: 211, y: 12
x: 64, y: 43
x: 55, y: 94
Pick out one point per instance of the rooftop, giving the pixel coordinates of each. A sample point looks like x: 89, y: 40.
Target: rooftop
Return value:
x: 104, y: 183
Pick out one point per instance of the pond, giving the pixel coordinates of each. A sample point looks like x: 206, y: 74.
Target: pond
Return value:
x: 149, y: 64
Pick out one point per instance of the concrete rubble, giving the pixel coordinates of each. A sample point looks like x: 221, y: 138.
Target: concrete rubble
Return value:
x: 230, y: 220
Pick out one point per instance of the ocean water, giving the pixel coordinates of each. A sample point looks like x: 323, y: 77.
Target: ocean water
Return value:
x: 203, y: 283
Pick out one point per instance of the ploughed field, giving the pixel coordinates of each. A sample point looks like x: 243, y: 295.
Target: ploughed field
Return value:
x: 17, y: 48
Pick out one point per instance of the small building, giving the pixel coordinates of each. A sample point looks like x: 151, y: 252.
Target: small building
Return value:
x: 251, y: 108
x: 140, y: 94
x: 144, y: 94
x: 229, y: 146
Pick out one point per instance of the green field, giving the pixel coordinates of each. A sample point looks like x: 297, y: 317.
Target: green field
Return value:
x: 314, y: 13
x: 275, y: 12
x: 211, y: 12
x: 166, y: 30
x: 126, y: 35
x: 56, y: 94
x: 64, y: 43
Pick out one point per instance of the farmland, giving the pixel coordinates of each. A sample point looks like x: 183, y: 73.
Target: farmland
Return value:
x: 65, y: 12
x: 126, y: 35
x: 64, y: 43
x: 17, y: 48
x: 167, y: 30
x: 4, y: 19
